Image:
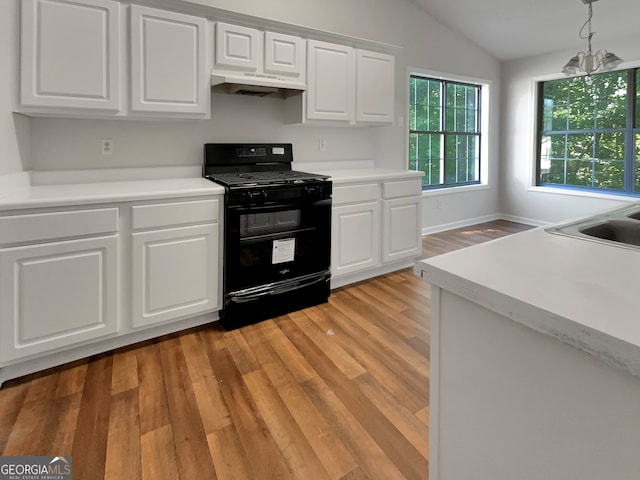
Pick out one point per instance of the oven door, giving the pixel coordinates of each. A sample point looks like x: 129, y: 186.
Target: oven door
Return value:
x: 276, y: 242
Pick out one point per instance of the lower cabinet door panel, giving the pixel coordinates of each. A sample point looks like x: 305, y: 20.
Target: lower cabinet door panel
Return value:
x: 401, y: 227
x: 175, y: 273
x: 356, y: 238
x: 57, y: 294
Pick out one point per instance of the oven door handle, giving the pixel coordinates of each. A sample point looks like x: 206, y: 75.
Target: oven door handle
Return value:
x: 251, y: 295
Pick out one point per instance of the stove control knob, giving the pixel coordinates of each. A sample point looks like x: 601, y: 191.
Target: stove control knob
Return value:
x: 309, y: 191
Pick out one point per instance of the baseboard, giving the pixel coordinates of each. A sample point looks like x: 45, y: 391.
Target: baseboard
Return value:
x: 525, y: 220
x: 460, y: 224
x: 65, y: 355
x: 486, y: 218
x: 372, y: 272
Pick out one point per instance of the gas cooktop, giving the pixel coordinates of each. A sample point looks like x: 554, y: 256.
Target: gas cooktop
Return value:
x: 235, y: 179
x: 247, y: 165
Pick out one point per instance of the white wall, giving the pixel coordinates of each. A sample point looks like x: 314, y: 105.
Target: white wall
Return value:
x: 14, y: 128
x: 518, y: 140
x: 72, y: 144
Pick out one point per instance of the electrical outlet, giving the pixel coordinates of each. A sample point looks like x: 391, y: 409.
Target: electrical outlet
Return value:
x: 107, y: 146
x: 322, y: 145
x: 439, y: 203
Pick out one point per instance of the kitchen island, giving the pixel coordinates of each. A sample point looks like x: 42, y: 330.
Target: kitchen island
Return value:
x: 535, y: 360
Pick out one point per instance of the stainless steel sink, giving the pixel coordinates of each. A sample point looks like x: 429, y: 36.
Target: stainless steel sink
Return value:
x: 619, y: 227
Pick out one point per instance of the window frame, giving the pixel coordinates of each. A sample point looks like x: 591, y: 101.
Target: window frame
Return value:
x: 631, y: 132
x: 482, y: 106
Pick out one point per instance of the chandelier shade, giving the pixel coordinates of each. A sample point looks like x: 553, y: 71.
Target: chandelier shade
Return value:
x: 589, y: 62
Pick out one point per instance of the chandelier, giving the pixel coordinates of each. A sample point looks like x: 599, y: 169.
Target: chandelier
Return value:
x: 589, y: 62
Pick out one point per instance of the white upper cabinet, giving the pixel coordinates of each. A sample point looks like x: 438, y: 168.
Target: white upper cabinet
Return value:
x: 168, y: 62
x: 345, y: 85
x: 331, y: 78
x: 247, y: 52
x: 375, y: 82
x: 236, y: 47
x: 285, y: 55
x: 70, y: 54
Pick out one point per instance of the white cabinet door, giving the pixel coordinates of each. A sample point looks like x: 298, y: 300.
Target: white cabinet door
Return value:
x: 285, y: 55
x: 375, y: 92
x: 168, y: 62
x: 175, y: 273
x: 355, y: 243
x: 236, y: 47
x: 401, y: 228
x: 70, y: 54
x: 331, y: 77
x: 57, y: 294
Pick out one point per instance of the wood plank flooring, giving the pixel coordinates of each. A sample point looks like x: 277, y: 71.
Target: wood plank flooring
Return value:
x: 338, y: 391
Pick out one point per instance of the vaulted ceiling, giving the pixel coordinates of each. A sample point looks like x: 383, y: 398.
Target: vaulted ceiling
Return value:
x: 511, y: 29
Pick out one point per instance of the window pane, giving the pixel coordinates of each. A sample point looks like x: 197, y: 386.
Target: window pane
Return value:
x: 556, y: 105
x: 586, y: 160
x: 462, y: 108
x: 425, y: 155
x: 424, y: 105
x: 610, y: 92
x: 637, y: 162
x: 637, y: 125
x: 585, y: 103
x: 461, y: 158
x: 438, y: 106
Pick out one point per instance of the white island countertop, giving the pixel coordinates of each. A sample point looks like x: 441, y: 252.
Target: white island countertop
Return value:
x: 584, y: 293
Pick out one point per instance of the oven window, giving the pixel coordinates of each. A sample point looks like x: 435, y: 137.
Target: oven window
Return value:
x: 253, y: 224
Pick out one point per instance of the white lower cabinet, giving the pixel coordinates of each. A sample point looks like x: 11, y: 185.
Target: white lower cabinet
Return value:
x: 356, y: 238
x: 175, y: 271
x: 376, y: 228
x: 57, y: 293
x: 79, y: 281
x: 402, y: 233
x: 401, y: 219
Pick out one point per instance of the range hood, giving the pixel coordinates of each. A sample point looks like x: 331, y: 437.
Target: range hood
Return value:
x: 255, y: 84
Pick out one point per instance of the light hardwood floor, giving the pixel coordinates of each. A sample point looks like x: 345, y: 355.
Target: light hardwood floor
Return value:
x: 336, y: 391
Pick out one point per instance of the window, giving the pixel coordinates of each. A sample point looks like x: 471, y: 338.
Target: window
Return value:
x: 444, y: 131
x: 589, y: 132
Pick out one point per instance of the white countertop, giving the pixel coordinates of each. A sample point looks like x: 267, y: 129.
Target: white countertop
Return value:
x: 32, y: 196
x: 581, y: 292
x: 54, y: 189
x: 339, y: 176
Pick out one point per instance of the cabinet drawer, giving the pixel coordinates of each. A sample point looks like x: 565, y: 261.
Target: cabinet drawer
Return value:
x: 39, y: 227
x: 404, y: 188
x: 355, y: 193
x: 179, y: 213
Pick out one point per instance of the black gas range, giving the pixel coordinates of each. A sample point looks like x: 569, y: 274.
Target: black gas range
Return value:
x: 277, y: 231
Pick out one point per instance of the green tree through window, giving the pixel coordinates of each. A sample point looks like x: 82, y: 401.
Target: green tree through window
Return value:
x: 444, y: 131
x: 588, y: 132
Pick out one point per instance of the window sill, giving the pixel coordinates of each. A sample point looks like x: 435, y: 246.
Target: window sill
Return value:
x: 578, y: 193
x: 436, y: 192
